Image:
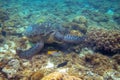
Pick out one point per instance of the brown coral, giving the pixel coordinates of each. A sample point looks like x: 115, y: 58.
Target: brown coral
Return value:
x: 60, y: 76
x: 80, y: 20
x: 76, y: 33
x: 37, y: 75
x: 116, y: 59
x: 107, y: 41
x: 99, y: 63
x: 78, y: 23
x: 75, y: 26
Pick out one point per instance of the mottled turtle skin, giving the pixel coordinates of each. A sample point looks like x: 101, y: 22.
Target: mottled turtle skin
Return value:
x: 47, y: 32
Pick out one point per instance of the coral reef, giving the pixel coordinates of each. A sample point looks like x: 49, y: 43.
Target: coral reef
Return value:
x: 81, y: 67
x: 11, y: 68
x: 107, y: 41
x: 3, y: 15
x: 60, y: 76
x: 97, y: 61
x: 80, y: 20
x: 96, y: 16
x: 38, y: 75
x: 102, y: 66
x: 104, y: 20
x: 116, y: 59
x: 78, y: 23
x: 72, y: 63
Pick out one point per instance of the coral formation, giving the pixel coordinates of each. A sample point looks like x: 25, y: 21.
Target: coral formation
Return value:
x: 11, y: 68
x: 38, y: 75
x: 116, y: 59
x: 107, y: 41
x: 96, y: 16
x: 3, y: 15
x: 85, y: 67
x: 78, y: 23
x: 80, y: 20
x: 97, y: 61
x: 60, y: 76
x: 102, y: 19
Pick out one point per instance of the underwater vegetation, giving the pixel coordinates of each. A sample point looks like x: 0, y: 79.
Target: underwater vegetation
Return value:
x: 60, y: 40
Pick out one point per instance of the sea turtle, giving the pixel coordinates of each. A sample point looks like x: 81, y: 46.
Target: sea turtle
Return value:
x: 47, y: 32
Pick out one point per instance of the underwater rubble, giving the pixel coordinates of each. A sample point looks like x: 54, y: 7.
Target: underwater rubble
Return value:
x: 96, y: 58
x: 44, y: 66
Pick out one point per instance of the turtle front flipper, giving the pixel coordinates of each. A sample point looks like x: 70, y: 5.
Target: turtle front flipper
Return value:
x: 73, y: 39
x: 69, y: 38
x: 32, y: 51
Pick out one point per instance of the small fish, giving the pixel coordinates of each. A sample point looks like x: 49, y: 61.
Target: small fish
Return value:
x: 62, y: 64
x: 53, y: 53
